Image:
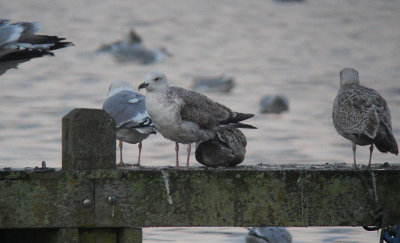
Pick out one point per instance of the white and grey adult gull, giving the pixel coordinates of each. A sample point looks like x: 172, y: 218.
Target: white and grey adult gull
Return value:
x: 128, y: 109
x: 185, y: 116
x: 19, y: 43
x: 132, y: 49
x: 362, y: 116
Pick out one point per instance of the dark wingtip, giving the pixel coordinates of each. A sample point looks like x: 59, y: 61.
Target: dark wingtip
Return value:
x: 62, y: 44
x: 244, y: 116
x: 238, y: 117
x: 242, y: 125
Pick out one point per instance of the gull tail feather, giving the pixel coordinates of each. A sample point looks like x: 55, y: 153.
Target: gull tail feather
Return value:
x: 385, y: 141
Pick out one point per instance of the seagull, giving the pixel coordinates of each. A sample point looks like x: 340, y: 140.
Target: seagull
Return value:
x: 268, y: 235
x: 222, y: 83
x: 228, y: 148
x: 128, y: 109
x: 19, y: 43
x: 131, y: 39
x: 274, y: 104
x: 185, y: 116
x: 362, y: 116
x: 132, y: 49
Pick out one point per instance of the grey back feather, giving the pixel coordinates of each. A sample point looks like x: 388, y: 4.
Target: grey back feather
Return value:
x: 126, y: 113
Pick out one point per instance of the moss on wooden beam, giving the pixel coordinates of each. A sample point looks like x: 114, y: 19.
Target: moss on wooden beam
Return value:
x: 160, y: 196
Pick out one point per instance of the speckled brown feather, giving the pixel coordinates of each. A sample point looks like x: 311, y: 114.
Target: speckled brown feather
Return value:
x: 362, y: 115
x: 200, y: 109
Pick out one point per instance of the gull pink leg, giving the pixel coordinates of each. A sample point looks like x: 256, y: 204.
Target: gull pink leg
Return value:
x: 189, y: 148
x: 121, y: 162
x: 354, y: 156
x: 177, y: 151
x: 140, y: 152
x: 371, y: 149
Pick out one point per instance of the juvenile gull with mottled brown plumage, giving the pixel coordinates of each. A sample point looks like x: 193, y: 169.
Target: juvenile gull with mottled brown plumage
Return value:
x: 228, y: 148
x: 361, y: 115
x: 185, y: 116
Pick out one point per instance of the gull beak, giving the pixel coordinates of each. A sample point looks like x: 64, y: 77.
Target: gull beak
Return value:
x: 143, y: 85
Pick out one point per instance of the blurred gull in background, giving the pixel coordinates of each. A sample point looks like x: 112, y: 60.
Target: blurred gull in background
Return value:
x: 18, y: 43
x: 269, y: 235
x: 222, y: 83
x: 128, y: 109
x: 132, y: 49
x: 274, y: 104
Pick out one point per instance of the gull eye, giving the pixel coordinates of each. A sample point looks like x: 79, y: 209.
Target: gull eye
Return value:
x: 156, y: 79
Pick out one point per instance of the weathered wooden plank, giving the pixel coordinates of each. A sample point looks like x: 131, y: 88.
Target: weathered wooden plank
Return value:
x: 243, y: 196
x: 45, y: 199
x: 30, y: 235
x: 98, y: 235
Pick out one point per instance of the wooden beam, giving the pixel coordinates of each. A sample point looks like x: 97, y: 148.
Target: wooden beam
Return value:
x: 89, y: 200
x: 159, y: 196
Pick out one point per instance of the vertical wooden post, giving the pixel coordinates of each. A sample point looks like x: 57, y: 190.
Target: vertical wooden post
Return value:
x: 70, y: 235
x: 88, y: 143
x: 88, y: 140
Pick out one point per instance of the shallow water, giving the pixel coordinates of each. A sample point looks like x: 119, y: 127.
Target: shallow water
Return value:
x: 295, y: 49
x: 237, y: 235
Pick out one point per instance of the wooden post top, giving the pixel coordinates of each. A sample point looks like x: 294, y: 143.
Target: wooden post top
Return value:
x: 88, y: 140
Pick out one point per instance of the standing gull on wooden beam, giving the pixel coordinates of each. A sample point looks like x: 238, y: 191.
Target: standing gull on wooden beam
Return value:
x: 185, y: 116
x: 128, y: 109
x: 362, y: 116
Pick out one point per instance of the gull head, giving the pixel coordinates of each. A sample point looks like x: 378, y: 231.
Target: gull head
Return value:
x: 349, y: 76
x: 155, y: 81
x: 118, y: 86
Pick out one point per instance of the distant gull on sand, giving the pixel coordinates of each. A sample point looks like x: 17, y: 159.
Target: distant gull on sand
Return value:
x: 185, y: 116
x: 221, y: 83
x: 128, y: 109
x: 132, y: 49
x: 228, y: 148
x: 18, y: 43
x: 361, y: 115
